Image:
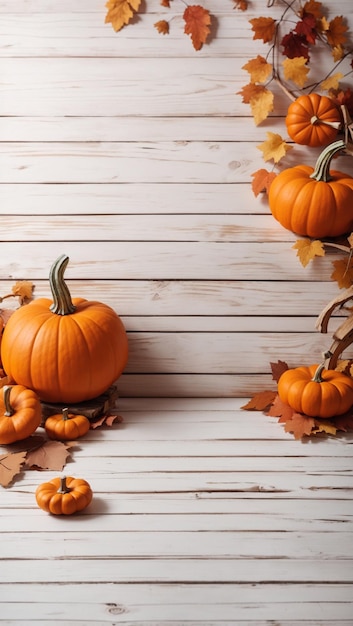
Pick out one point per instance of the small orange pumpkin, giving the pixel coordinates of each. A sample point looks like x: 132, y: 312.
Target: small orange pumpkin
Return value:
x: 66, y: 426
x: 313, y: 120
x: 313, y: 202
x: 316, y: 392
x: 20, y: 413
x: 64, y: 496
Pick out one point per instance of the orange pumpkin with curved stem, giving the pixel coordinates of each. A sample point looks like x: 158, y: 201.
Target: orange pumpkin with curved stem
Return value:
x: 64, y: 496
x: 313, y: 120
x: 66, y: 426
x: 20, y: 413
x: 67, y: 350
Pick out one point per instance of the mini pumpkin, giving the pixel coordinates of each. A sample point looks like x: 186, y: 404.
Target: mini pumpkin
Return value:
x: 20, y: 413
x: 314, y: 202
x: 313, y: 120
x: 316, y: 391
x: 64, y: 496
x: 67, y: 350
x: 66, y: 426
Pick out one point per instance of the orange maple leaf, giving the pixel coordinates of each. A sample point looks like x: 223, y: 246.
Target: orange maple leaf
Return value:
x: 300, y: 425
x: 249, y: 91
x: 278, y: 369
x: 281, y: 410
x: 120, y: 12
x: 162, y: 26
x: 313, y: 7
x: 260, y: 401
x: 343, y: 273
x: 197, y: 22
x: 264, y: 28
x: 165, y: 3
x: 258, y: 68
x: 336, y: 31
x: 307, y: 250
x: 242, y: 5
x: 262, y: 180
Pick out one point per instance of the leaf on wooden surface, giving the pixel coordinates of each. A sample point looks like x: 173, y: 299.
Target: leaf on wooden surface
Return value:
x: 307, y: 250
x: 11, y: 464
x: 242, y: 5
x: 261, y: 104
x: 296, y: 70
x: 281, y: 410
x: 165, y: 3
x: 313, y: 7
x: 300, y: 425
x: 264, y: 28
x: 325, y: 426
x: 51, y: 455
x: 262, y: 180
x: 274, y: 147
x: 278, y: 369
x: 336, y: 33
x: 162, y: 27
x: 343, y: 273
x: 258, y: 68
x: 23, y: 289
x: 107, y: 420
x: 197, y: 22
x: 120, y: 12
x: 260, y: 401
x: 332, y: 82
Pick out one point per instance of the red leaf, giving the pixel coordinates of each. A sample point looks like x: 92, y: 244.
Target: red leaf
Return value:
x: 295, y: 46
x: 278, y: 369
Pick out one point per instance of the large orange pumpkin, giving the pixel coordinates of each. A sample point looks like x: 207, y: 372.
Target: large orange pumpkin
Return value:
x: 68, y: 350
x: 314, y: 202
x: 313, y: 120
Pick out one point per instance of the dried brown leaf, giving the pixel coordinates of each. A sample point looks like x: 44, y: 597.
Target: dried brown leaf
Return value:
x: 11, y: 464
x: 260, y: 401
x: 278, y: 369
x: 262, y: 180
x: 197, y: 23
x: 52, y: 455
x: 300, y: 425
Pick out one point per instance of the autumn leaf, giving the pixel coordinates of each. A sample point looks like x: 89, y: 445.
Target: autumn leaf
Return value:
x: 120, y: 12
x: 10, y: 465
x: 23, y: 289
x: 278, y: 369
x: 343, y: 273
x: 299, y: 425
x: 295, y: 45
x: 337, y: 53
x: 258, y: 68
x: 260, y: 401
x: 281, y: 410
x: 307, y: 28
x: 296, y: 70
x: 325, y: 426
x: 242, y: 5
x: 162, y: 26
x: 313, y: 7
x: 274, y: 147
x: 308, y: 249
x: 344, y: 422
x: 165, y: 3
x: 261, y: 105
x: 197, y: 22
x: 336, y: 31
x: 262, y: 180
x: 108, y: 420
x: 264, y: 28
x: 332, y: 82
x: 249, y: 91
x: 52, y: 455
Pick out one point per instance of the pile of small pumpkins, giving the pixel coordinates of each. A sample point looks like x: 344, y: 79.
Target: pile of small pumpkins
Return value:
x: 66, y: 351
x: 315, y: 202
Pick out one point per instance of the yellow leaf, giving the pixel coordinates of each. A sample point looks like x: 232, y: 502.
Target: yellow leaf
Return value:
x: 332, y: 82
x: 343, y: 273
x: 296, y: 70
x: 258, y: 69
x: 24, y: 290
x: 337, y: 53
x: 162, y: 26
x: 307, y: 250
x: 120, y: 12
x: 274, y: 147
x: 327, y: 427
x: 261, y: 105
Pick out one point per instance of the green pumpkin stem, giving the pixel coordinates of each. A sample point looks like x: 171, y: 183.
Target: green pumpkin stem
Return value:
x: 8, y: 408
x: 65, y: 414
x: 62, y: 302
x: 317, y: 378
x: 63, y: 486
x: 322, y: 167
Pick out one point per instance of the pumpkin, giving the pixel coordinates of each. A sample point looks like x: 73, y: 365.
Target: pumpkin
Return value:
x: 316, y: 391
x: 66, y: 426
x: 67, y: 350
x: 312, y: 202
x: 64, y: 496
x: 313, y: 120
x: 20, y: 413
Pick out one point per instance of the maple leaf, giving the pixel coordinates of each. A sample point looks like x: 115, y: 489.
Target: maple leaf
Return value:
x: 299, y: 425
x: 10, y: 465
x: 345, y: 98
x: 165, y: 3
x: 274, y: 147
x: 258, y: 69
x: 281, y: 410
x: 261, y: 105
x: 120, y: 12
x: 336, y: 31
x: 108, y: 420
x: 260, y: 401
x: 242, y: 5
x: 249, y: 91
x: 295, y: 46
x: 264, y: 28
x: 197, y: 22
x: 332, y: 82
x: 312, y: 7
x: 307, y: 250
x: 51, y: 455
x: 324, y: 426
x: 343, y: 273
x: 296, y: 70
x: 262, y: 180
x: 278, y: 369
x: 23, y: 289
x: 307, y: 28
x: 337, y: 53
x: 162, y: 26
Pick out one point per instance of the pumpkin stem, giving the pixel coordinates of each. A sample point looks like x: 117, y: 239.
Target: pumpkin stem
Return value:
x: 8, y: 408
x: 63, y: 486
x: 62, y: 303
x: 317, y: 378
x: 65, y: 414
x: 322, y: 167
x: 316, y: 120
